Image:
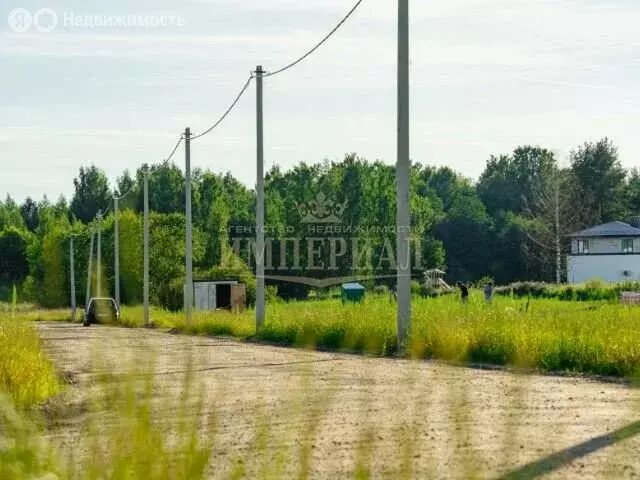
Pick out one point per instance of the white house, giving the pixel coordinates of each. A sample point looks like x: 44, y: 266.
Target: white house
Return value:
x: 609, y: 252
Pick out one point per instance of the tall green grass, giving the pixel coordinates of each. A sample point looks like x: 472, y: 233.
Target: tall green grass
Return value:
x: 26, y: 375
x: 32, y: 312
x: 27, y: 378
x: 596, y: 337
x: 126, y: 435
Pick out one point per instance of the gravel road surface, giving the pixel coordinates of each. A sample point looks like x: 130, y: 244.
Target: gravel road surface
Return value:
x: 447, y: 421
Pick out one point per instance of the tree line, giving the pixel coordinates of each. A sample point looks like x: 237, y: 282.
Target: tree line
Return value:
x: 511, y: 224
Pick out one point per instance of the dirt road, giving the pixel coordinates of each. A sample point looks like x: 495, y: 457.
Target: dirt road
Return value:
x: 448, y: 421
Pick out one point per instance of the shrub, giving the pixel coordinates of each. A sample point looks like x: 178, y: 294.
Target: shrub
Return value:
x: 381, y: 290
x: 482, y: 281
x: 594, y: 290
x: 171, y: 296
x: 271, y: 293
x: 524, y: 289
x: 416, y: 288
x: 595, y: 284
x: 238, y: 270
x: 293, y: 291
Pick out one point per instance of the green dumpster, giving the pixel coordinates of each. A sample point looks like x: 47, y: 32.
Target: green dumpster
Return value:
x: 352, y: 292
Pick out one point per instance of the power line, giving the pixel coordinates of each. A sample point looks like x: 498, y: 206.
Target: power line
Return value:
x: 131, y: 189
x: 103, y: 213
x: 322, y: 42
x: 270, y: 74
x: 173, y: 152
x: 106, y: 211
x: 168, y: 159
x: 235, y: 102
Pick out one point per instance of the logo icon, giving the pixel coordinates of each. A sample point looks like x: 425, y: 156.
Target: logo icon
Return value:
x: 321, y: 210
x: 45, y: 20
x: 20, y: 20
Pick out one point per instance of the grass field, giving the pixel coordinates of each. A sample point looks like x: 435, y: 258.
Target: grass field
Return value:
x: 597, y: 337
x: 27, y: 378
x: 26, y: 375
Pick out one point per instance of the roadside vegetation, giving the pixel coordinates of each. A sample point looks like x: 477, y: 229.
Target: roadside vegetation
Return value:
x: 591, y: 291
x: 550, y: 335
x: 593, y: 337
x: 27, y: 378
x: 26, y: 375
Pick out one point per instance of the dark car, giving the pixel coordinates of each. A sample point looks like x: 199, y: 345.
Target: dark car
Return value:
x: 101, y: 310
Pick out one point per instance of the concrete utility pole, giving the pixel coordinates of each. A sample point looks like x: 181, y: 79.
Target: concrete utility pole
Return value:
x: 88, y: 294
x: 145, y: 288
x: 259, y: 203
x: 188, y: 301
x: 99, y: 260
x: 403, y: 219
x: 73, y: 279
x: 116, y: 255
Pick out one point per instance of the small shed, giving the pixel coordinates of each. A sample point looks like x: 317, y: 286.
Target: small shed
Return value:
x: 630, y: 298
x: 219, y: 295
x: 352, y: 292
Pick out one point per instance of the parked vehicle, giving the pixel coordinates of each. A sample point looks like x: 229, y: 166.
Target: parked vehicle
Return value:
x: 101, y: 310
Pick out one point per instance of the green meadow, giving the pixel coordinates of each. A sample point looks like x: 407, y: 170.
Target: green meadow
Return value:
x: 598, y: 337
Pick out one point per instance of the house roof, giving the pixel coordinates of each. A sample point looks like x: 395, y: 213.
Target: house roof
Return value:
x: 611, y: 229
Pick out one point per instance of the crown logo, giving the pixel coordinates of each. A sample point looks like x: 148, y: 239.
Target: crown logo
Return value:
x: 321, y: 210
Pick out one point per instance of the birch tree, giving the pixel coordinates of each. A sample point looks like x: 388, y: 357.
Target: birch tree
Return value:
x: 552, y: 213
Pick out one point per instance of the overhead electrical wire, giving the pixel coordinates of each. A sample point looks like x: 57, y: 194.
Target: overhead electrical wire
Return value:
x: 134, y: 184
x: 280, y: 70
x: 235, y: 102
x: 173, y: 152
x: 103, y: 213
x: 322, y: 42
x: 121, y: 197
x: 131, y: 189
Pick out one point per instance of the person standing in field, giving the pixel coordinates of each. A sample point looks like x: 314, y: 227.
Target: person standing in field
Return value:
x: 488, y: 292
x: 464, y: 291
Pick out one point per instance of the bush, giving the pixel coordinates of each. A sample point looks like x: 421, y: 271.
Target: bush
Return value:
x: 328, y: 292
x: 595, y: 284
x: 524, y: 289
x: 482, y: 281
x: 29, y: 292
x: 171, y: 296
x: 293, y: 291
x: 381, y: 290
x: 594, y: 290
x: 416, y: 288
x: 233, y: 267
x: 271, y: 293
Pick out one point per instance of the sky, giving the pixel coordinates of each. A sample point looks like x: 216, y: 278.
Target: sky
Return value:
x: 486, y: 76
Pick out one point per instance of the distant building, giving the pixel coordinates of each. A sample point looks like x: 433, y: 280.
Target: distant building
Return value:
x: 609, y: 252
x: 223, y: 294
